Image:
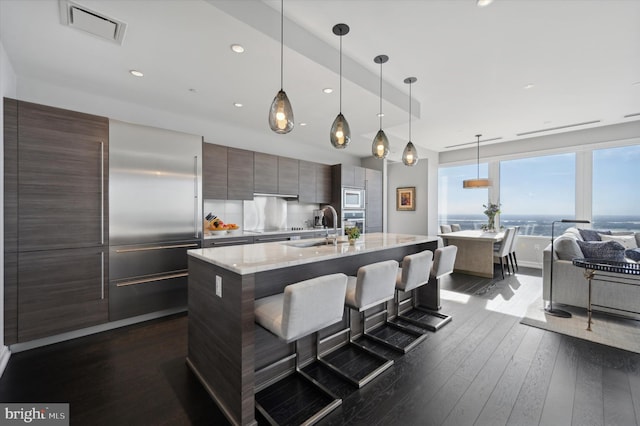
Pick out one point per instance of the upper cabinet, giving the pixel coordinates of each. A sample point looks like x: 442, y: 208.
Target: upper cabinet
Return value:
x: 266, y: 173
x: 227, y: 173
x: 353, y: 176
x: 287, y: 176
x: 314, y: 184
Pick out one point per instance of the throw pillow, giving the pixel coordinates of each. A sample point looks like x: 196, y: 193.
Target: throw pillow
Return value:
x: 628, y: 241
x: 566, y: 248
x: 604, y: 250
x: 592, y: 234
x: 633, y: 254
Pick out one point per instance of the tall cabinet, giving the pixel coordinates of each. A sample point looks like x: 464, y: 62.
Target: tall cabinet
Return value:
x: 373, y: 200
x: 57, y: 189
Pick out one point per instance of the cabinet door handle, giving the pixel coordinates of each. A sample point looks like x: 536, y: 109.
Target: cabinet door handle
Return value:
x: 221, y: 243
x: 156, y: 248
x: 102, y: 275
x: 195, y: 196
x: 151, y: 278
x: 102, y: 193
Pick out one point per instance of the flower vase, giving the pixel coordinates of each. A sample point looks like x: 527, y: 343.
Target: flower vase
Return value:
x: 352, y: 241
x: 491, y: 226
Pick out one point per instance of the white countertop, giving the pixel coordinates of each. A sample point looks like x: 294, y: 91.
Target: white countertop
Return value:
x: 252, y: 258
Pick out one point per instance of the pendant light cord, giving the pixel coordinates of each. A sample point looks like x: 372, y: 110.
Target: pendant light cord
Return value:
x: 340, y: 72
x: 410, y: 111
x: 381, y: 95
x: 281, y: 44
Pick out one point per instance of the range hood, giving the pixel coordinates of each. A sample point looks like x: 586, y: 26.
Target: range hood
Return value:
x: 285, y: 196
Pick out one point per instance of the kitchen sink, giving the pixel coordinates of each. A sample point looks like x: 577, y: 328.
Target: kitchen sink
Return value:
x: 309, y: 243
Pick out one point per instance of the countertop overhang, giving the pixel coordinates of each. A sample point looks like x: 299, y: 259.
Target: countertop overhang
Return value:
x: 253, y: 258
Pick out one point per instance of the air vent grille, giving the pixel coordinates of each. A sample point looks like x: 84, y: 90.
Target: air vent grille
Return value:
x: 92, y: 22
x: 557, y: 128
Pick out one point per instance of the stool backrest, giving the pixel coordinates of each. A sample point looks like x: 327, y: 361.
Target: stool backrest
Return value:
x: 444, y: 259
x: 455, y: 227
x: 312, y: 305
x: 376, y: 283
x: 415, y: 270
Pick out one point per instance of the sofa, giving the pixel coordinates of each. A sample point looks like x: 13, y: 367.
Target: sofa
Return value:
x: 570, y: 286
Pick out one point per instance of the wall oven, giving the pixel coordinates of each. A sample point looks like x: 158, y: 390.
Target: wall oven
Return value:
x: 351, y: 218
x: 352, y: 198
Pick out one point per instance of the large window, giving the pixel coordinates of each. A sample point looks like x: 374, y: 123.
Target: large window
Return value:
x: 616, y: 198
x: 536, y: 191
x: 458, y: 205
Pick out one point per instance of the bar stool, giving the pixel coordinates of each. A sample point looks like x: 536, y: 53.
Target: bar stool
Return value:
x: 426, y: 314
x: 374, y: 285
x: 302, y: 309
x: 414, y: 273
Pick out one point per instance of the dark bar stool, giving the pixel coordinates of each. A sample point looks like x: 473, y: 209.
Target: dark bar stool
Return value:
x: 303, y: 309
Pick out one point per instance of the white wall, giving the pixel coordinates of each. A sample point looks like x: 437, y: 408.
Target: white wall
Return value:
x: 7, y: 89
x: 408, y: 222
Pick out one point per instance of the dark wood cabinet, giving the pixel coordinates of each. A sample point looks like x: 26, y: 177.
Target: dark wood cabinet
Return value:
x: 266, y: 173
x: 222, y: 242
x: 214, y: 172
x: 287, y: 176
x: 373, y: 200
x: 56, y: 196
x: 323, y: 183
x: 240, y: 179
x: 352, y: 176
x: 61, y: 290
x: 307, y: 181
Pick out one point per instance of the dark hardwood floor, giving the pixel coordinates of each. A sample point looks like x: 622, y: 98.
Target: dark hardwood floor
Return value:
x: 483, y: 368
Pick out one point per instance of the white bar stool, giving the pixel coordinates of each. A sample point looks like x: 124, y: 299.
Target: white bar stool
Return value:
x: 303, y: 309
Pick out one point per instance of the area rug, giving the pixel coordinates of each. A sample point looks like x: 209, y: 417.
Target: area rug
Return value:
x: 605, y: 329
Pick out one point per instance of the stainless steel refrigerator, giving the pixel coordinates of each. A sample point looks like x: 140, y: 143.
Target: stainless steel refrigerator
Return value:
x: 155, y: 215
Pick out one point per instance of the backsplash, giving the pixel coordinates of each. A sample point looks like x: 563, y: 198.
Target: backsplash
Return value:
x: 263, y: 213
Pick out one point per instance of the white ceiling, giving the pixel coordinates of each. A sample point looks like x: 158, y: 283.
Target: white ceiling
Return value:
x: 581, y: 56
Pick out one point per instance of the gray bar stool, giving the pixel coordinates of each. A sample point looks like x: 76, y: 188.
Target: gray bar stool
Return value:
x: 414, y: 273
x: 303, y: 309
x: 373, y: 286
x: 425, y: 314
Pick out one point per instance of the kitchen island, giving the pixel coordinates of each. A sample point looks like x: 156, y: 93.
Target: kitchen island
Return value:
x: 225, y: 346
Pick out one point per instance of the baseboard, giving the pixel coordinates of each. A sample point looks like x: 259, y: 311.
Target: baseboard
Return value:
x: 37, y: 343
x: 535, y: 265
x: 5, y: 353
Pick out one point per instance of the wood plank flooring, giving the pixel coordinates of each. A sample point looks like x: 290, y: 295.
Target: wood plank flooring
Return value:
x: 483, y: 368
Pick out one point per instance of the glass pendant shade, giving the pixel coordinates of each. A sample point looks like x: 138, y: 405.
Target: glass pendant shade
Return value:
x: 281, y: 114
x: 380, y: 146
x: 410, y: 155
x: 340, y: 133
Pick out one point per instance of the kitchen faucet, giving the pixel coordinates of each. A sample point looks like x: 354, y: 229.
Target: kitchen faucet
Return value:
x: 335, y: 225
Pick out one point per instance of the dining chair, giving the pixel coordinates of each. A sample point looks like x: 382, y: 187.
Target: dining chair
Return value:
x: 501, y: 252
x: 512, y: 250
x: 445, y: 229
x: 455, y: 227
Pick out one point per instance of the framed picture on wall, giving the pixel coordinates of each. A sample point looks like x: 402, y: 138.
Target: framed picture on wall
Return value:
x: 406, y: 198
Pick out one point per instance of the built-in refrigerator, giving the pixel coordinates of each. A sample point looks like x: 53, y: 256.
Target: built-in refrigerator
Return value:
x: 155, y: 213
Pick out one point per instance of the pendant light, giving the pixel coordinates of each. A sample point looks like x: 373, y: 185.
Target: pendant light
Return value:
x: 281, y: 113
x: 477, y: 182
x: 380, y: 146
x: 340, y: 134
x: 410, y: 153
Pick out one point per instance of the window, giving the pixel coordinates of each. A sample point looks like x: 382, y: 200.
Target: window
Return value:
x: 459, y: 205
x: 536, y: 191
x: 616, y: 199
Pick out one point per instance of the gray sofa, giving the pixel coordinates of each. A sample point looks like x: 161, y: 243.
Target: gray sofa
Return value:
x: 570, y: 285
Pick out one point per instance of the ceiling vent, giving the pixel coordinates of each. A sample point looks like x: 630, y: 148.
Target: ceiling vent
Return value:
x: 92, y: 22
x: 557, y: 128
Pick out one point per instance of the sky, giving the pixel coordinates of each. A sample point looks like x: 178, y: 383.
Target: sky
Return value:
x: 546, y: 185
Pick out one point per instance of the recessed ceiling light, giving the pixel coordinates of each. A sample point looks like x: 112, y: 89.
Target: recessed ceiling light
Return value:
x: 327, y: 90
x: 238, y: 105
x: 303, y: 124
x: 237, y: 48
x: 529, y: 86
x: 136, y: 73
x: 483, y: 3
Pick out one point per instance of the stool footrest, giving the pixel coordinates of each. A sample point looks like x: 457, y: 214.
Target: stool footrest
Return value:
x: 355, y: 363
x: 425, y: 318
x: 396, y: 337
x: 306, y: 402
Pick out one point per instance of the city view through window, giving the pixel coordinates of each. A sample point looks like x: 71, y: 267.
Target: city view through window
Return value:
x: 536, y: 191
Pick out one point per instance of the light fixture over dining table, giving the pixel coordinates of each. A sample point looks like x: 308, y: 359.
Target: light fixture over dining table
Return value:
x: 477, y: 182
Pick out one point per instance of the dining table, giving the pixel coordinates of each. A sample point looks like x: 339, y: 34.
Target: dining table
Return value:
x: 475, y: 250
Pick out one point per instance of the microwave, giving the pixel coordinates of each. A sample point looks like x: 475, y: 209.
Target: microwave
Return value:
x: 352, y: 198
